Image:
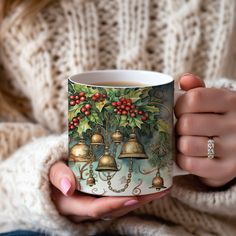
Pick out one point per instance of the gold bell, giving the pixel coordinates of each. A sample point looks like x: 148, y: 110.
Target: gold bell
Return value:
x: 97, y: 139
x: 133, y: 149
x: 90, y: 181
x: 117, y: 136
x: 158, y: 182
x: 107, y: 162
x: 80, y: 152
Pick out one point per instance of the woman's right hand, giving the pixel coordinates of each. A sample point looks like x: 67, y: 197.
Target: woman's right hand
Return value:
x: 78, y: 206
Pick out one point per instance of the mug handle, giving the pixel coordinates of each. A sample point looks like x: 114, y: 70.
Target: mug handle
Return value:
x: 176, y: 169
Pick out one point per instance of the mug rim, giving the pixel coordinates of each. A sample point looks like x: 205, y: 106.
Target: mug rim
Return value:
x: 153, y: 78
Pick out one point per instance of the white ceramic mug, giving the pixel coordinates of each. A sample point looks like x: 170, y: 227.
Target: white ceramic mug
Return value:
x: 121, y: 139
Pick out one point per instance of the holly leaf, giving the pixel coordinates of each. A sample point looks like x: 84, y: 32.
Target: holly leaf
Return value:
x: 111, y: 93
x: 151, y: 109
x: 71, y: 88
x: 131, y: 122
x: 94, y: 118
x: 74, y: 111
x: 142, y: 102
x: 89, y: 91
x: 134, y: 95
x: 109, y: 108
x: 100, y: 105
x: 138, y: 122
x: 123, y: 121
x: 145, y: 92
x: 83, y: 125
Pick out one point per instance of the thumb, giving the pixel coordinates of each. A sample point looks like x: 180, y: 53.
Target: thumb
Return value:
x: 62, y: 178
x: 189, y: 81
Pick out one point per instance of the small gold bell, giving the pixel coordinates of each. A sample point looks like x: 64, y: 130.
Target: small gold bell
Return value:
x: 97, y: 139
x: 80, y: 152
x: 117, y: 136
x: 107, y: 162
x: 133, y: 149
x: 158, y: 182
x: 90, y: 181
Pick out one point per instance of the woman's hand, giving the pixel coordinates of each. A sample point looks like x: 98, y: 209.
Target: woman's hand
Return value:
x: 203, y: 113
x: 79, y: 206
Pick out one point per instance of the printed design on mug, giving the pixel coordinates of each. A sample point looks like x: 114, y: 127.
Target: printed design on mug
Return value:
x: 118, y: 136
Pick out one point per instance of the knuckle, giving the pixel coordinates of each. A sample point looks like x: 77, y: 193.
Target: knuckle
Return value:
x: 187, y: 164
x: 184, y: 124
x: 184, y: 145
x: 194, y: 96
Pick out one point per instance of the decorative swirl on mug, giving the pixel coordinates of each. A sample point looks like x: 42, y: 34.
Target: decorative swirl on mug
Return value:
x: 137, y: 190
x: 102, y: 175
x: 144, y: 172
x: 95, y: 190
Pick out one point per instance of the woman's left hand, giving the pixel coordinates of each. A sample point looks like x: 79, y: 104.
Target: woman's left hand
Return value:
x: 205, y: 113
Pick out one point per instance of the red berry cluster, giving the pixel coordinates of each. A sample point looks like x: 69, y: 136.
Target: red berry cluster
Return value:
x: 75, y: 122
x: 98, y: 97
x: 76, y: 99
x: 86, y: 109
x: 126, y: 107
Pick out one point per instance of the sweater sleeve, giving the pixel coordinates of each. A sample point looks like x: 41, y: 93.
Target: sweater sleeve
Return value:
x: 27, y: 151
x: 25, y: 190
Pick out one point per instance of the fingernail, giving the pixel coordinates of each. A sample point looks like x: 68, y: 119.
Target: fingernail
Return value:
x: 65, y: 185
x: 190, y: 74
x: 187, y: 74
x: 130, y: 202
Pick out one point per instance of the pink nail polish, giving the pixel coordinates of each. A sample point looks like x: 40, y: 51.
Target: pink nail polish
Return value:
x: 65, y: 185
x: 130, y: 202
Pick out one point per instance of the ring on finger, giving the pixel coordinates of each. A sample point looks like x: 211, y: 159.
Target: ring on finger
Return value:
x: 210, y: 148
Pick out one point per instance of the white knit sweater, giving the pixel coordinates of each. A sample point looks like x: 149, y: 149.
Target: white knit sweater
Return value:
x: 71, y: 36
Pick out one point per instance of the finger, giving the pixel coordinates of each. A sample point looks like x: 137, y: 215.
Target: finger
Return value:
x: 198, y: 146
x: 224, y: 147
x: 145, y: 199
x: 207, y: 168
x: 201, y: 125
x: 142, y: 201
x: 189, y: 81
x: 88, y: 206
x: 63, y: 178
x: 199, y: 100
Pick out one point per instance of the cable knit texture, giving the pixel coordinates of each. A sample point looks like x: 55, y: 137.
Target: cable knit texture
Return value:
x: 71, y: 36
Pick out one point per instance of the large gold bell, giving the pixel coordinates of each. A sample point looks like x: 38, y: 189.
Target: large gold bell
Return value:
x: 80, y: 152
x: 107, y: 162
x: 133, y: 149
x: 97, y: 139
x: 117, y: 136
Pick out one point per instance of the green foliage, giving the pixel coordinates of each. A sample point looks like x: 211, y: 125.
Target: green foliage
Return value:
x: 133, y: 94
x: 83, y: 126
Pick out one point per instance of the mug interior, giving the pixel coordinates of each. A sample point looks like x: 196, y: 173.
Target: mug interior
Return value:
x: 142, y: 78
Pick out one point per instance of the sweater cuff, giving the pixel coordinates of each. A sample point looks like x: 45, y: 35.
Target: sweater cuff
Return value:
x: 25, y: 187
x: 221, y: 83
